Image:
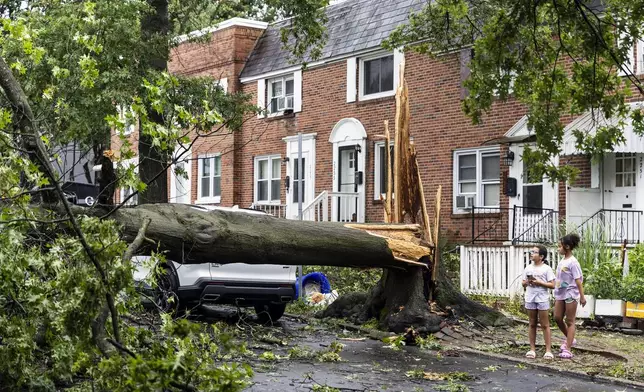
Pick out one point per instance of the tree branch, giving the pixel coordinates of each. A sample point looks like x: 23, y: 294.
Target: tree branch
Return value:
x: 21, y: 106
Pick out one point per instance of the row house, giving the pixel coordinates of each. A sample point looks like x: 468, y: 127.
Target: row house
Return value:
x: 321, y: 133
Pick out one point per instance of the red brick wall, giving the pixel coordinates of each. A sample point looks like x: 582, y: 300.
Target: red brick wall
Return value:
x: 438, y: 126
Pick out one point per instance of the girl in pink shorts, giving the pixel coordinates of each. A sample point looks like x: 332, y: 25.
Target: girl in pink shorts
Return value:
x: 537, y: 279
x: 569, y: 290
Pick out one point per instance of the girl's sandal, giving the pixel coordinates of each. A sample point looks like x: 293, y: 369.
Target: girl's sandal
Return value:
x: 565, y: 354
x: 564, y: 345
x: 531, y: 354
x: 548, y: 356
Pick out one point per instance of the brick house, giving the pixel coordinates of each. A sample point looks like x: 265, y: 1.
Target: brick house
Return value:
x: 339, y: 103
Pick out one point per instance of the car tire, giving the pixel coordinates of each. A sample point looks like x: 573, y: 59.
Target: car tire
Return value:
x: 165, y: 294
x: 269, y: 313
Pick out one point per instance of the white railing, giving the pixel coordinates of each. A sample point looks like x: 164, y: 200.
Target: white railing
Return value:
x: 318, y: 209
x: 496, y: 270
x: 335, y: 207
x: 346, y: 207
x: 277, y: 210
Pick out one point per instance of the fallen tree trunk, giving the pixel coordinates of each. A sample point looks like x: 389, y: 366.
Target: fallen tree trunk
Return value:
x: 192, y: 235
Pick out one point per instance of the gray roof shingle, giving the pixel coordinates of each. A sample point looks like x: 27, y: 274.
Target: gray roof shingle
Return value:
x: 352, y: 25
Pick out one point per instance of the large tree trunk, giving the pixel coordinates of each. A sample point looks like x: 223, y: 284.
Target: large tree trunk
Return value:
x: 194, y: 235
x: 152, y: 162
x: 401, y: 300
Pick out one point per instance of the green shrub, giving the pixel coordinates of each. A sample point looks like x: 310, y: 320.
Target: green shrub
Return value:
x: 633, y: 284
x: 605, y: 280
x: 348, y: 280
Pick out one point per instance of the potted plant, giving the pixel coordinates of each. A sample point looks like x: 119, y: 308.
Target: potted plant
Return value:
x: 605, y: 282
x: 633, y: 286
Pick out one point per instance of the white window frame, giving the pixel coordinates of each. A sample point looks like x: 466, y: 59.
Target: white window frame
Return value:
x: 364, y: 97
x: 223, y: 83
x: 270, y: 159
x: 630, y: 63
x: 639, y: 63
x: 480, y: 183
x: 129, y: 126
x: 283, y: 80
x: 377, y: 155
x: 212, y: 199
x: 632, y: 173
x: 125, y: 192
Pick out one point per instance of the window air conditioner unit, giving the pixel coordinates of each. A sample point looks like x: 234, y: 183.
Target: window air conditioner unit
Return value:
x: 465, y: 202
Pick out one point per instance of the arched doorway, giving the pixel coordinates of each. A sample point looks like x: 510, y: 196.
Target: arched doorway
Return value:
x: 349, y: 161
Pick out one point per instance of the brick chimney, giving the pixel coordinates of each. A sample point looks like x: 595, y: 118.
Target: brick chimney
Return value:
x: 222, y: 57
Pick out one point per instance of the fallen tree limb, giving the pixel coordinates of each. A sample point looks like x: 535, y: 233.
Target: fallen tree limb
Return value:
x: 193, y: 235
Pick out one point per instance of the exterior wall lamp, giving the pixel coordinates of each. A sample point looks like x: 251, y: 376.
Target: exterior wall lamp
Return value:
x: 509, y: 158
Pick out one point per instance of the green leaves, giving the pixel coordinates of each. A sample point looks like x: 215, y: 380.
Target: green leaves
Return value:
x: 560, y: 59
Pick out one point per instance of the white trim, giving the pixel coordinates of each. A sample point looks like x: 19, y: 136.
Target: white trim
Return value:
x: 351, y: 79
x: 211, y: 198
x: 349, y: 132
x: 223, y: 83
x: 588, y: 124
x: 520, y: 128
x: 269, y: 98
x: 305, y: 137
x: 240, y: 22
x: 261, y: 97
x: 377, y: 169
x: 308, y: 147
x: 479, y: 152
x: 297, y: 91
x: 270, y: 178
x: 128, y: 129
x: 187, y: 158
x: 340, y: 132
x: 361, y: 73
x: 639, y: 60
x: 124, y: 165
x: 629, y: 63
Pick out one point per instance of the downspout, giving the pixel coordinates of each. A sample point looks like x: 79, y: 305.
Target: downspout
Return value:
x: 602, y: 189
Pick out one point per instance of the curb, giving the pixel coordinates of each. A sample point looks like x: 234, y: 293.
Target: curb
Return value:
x: 574, y: 373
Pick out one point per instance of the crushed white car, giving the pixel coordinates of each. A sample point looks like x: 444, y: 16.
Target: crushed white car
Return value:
x: 267, y: 288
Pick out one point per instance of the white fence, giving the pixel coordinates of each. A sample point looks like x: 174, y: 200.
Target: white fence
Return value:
x: 496, y: 270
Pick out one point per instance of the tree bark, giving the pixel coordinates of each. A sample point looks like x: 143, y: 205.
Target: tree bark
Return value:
x: 194, y: 235
x: 152, y: 162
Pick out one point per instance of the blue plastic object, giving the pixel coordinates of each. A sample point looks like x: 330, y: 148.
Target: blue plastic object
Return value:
x: 317, y: 277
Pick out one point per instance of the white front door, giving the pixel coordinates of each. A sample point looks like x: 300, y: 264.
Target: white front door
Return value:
x: 180, y: 175
x: 299, y: 171
x: 620, y: 197
x: 347, y: 201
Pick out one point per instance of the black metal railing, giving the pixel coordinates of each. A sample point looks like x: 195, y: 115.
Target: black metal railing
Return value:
x: 612, y: 226
x: 519, y: 224
x: 490, y: 224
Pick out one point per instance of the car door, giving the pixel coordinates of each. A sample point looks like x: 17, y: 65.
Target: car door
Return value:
x: 253, y: 273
